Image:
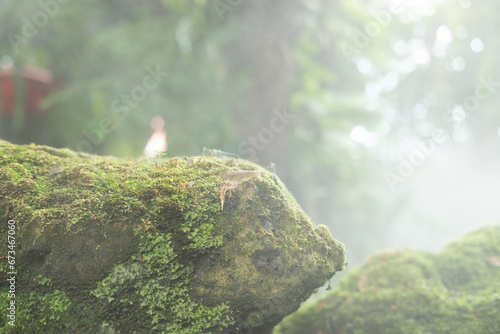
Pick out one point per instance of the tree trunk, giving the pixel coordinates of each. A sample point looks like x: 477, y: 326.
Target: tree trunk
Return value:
x: 265, y: 122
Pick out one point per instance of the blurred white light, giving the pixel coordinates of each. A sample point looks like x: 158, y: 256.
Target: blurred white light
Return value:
x: 405, y: 132
x: 380, y: 3
x: 406, y: 65
x: 459, y: 135
x: 400, y: 47
x: 462, y: 32
x: 431, y: 99
x: 419, y: 111
x: 371, y: 106
x: 383, y: 128
x: 499, y: 132
x: 406, y: 145
x: 465, y: 3
x: 419, y: 29
x: 418, y: 52
x: 364, y: 66
x: 372, y: 89
x: 429, y: 9
x: 390, y: 81
x: 458, y: 64
x: 370, y: 140
x: 444, y: 35
x: 314, y: 5
x: 359, y: 134
x: 425, y: 129
x: 420, y: 56
x: 439, y: 50
x: 6, y: 62
x: 409, y: 16
x: 394, y: 153
x: 354, y: 154
x: 476, y: 45
x: 458, y: 113
x: 183, y: 38
x: 390, y: 114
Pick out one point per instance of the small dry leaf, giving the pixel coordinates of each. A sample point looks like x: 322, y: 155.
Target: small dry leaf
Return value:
x: 183, y: 185
x: 241, y: 175
x: 55, y: 171
x: 223, y: 191
x: 236, y: 176
x: 363, y: 282
x: 494, y: 261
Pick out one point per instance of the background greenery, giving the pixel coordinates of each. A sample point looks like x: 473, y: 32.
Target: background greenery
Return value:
x: 363, y: 81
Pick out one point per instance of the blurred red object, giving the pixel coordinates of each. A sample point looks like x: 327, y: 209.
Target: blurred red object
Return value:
x: 38, y: 84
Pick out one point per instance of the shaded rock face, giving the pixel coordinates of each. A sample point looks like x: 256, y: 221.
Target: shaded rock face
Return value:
x: 454, y: 291
x: 268, y: 260
x: 180, y: 245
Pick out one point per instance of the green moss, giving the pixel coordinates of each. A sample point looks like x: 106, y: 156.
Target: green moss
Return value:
x: 161, y: 291
x: 454, y: 291
x: 180, y: 245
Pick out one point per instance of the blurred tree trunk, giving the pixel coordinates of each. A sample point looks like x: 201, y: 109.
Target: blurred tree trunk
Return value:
x: 269, y: 37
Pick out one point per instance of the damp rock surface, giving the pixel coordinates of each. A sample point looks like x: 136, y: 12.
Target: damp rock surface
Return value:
x: 178, y: 245
x: 404, y: 291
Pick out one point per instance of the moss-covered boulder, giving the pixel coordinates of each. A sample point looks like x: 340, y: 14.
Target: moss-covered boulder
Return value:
x: 454, y: 291
x: 180, y: 245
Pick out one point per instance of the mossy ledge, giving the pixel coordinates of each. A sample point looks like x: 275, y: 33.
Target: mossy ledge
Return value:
x: 404, y: 291
x: 178, y: 245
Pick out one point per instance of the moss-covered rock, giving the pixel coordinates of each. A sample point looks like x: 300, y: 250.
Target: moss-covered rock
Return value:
x: 180, y: 245
x: 454, y: 291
